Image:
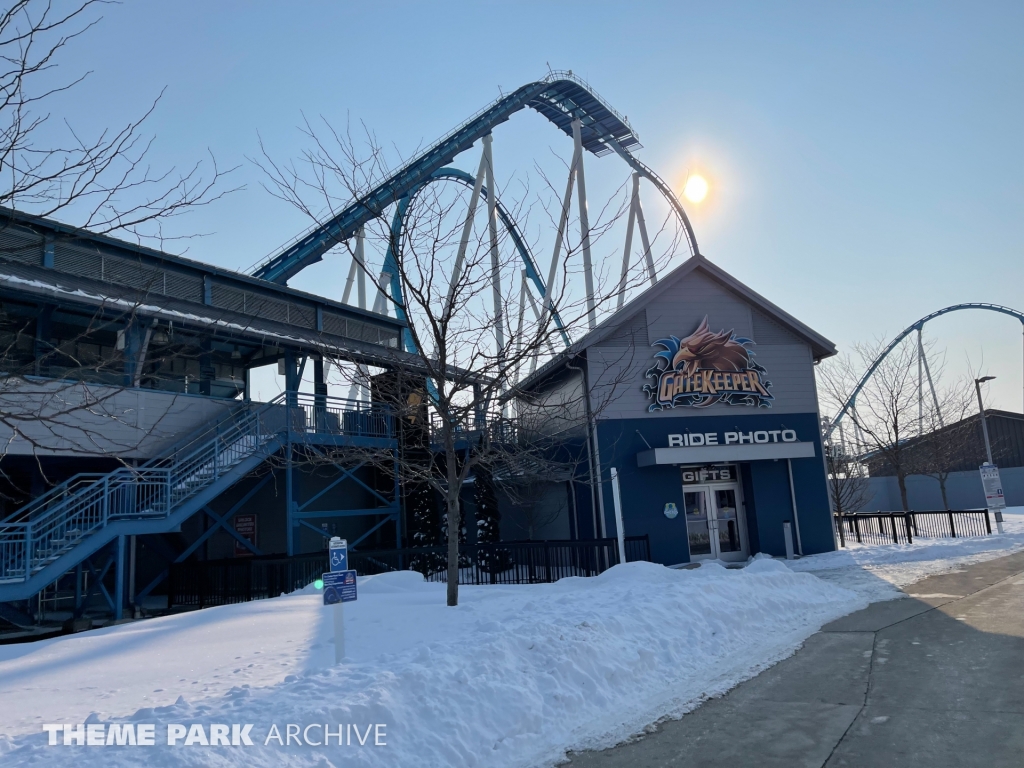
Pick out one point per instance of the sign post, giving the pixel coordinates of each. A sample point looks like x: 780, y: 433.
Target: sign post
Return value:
x: 339, y: 588
x: 620, y: 530
x: 994, y: 498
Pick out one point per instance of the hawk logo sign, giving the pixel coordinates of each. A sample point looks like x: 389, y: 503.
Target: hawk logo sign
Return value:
x: 706, y: 368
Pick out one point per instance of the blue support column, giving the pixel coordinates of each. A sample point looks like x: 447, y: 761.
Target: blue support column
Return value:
x: 78, y: 588
x: 119, y: 581
x: 291, y: 375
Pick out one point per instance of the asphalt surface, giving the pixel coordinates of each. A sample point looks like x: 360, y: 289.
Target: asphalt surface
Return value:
x: 933, y: 680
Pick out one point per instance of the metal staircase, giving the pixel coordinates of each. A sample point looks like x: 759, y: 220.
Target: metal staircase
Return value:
x: 60, y: 529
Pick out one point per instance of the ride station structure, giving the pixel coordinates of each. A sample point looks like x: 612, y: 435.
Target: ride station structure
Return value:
x: 136, y: 443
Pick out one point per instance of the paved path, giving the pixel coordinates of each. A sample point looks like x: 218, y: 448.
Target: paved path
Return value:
x: 934, y: 680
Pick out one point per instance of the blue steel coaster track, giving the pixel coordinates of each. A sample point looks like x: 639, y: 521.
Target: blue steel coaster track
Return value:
x: 560, y: 97
x: 851, y: 401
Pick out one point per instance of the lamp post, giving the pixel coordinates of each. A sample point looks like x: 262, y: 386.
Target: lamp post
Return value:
x: 981, y: 410
x: 988, y: 445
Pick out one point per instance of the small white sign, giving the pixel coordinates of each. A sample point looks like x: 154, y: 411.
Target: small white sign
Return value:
x: 993, y: 486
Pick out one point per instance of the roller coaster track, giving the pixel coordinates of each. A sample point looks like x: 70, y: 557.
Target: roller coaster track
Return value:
x: 851, y: 402
x: 560, y: 97
x: 398, y: 222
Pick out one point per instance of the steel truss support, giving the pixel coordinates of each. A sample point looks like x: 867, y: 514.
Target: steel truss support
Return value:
x: 581, y: 199
x: 636, y: 214
x: 852, y: 400
x: 492, y: 231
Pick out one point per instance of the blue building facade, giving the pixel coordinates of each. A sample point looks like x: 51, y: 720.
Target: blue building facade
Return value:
x: 700, y: 394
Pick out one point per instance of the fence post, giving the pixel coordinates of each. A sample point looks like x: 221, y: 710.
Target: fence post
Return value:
x: 952, y: 528
x: 856, y: 529
x: 547, y: 564
x: 988, y: 523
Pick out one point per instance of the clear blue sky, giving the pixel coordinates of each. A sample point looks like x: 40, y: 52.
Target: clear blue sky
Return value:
x: 866, y: 160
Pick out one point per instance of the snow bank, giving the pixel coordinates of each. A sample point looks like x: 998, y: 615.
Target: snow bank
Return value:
x: 877, y: 572
x: 514, y: 676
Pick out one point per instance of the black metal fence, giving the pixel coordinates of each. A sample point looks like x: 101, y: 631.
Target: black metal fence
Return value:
x: 219, y: 582
x: 238, y: 580
x: 904, y: 527
x: 506, y: 562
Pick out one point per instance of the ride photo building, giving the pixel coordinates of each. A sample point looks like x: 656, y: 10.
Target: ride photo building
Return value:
x: 700, y: 394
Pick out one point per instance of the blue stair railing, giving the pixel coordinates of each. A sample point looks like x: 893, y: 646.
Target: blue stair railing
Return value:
x: 54, y: 524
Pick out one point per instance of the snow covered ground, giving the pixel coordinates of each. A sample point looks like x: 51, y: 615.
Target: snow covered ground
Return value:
x: 877, y: 572
x: 515, y: 676
x: 512, y: 677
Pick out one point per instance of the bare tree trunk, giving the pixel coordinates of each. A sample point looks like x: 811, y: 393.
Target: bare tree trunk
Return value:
x: 454, y: 521
x: 903, y: 489
x: 942, y: 487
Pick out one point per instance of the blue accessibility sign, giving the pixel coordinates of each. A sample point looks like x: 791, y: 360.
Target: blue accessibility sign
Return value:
x: 338, y: 550
x: 339, y: 587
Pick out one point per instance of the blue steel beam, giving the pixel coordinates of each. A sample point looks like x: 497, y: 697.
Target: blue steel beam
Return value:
x: 851, y: 401
x: 559, y: 97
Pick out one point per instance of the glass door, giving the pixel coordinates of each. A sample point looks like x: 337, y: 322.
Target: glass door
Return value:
x: 698, y: 523
x: 714, y: 527
x: 731, y: 544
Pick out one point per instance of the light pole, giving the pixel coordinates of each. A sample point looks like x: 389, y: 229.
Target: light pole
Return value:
x: 981, y: 410
x: 988, y: 445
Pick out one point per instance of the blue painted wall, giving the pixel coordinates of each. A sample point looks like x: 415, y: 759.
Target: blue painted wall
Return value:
x: 645, y: 491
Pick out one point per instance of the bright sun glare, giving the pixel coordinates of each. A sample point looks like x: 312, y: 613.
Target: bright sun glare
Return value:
x: 696, y: 189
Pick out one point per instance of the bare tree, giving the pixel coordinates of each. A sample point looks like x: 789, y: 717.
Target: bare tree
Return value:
x: 48, y: 167
x: 466, y: 351
x: 848, y: 488
x: 63, y: 391
x: 952, y: 438
x: 892, y: 411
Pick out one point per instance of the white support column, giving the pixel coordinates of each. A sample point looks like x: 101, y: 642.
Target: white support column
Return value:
x: 634, y: 198
x: 642, y: 224
x: 519, y: 323
x: 563, y: 220
x: 492, y: 229
x: 349, y: 281
x: 796, y: 515
x: 467, y: 227
x: 357, y: 272
x: 537, y: 315
x: 620, y: 530
x: 380, y: 302
x: 920, y: 382
x: 935, y: 397
x: 360, y: 262
x: 581, y: 198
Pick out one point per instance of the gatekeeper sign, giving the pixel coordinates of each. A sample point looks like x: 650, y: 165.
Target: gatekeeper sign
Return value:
x: 706, y: 368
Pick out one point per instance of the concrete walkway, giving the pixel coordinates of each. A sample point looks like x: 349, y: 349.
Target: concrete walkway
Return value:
x: 933, y: 680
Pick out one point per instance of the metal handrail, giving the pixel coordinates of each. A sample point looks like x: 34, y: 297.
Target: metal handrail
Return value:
x: 86, y: 503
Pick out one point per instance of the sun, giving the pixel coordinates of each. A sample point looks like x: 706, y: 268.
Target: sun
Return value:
x: 696, y: 189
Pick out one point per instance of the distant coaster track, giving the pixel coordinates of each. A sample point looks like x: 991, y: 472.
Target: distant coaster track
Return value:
x: 560, y: 97
x: 851, y: 402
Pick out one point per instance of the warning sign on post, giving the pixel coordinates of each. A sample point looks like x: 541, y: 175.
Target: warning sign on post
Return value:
x: 339, y: 587
x: 993, y: 486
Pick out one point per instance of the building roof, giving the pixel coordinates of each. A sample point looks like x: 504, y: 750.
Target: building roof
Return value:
x: 961, y: 444
x: 47, y: 260
x: 820, y: 346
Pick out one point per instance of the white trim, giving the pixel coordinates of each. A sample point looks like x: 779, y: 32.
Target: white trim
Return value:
x: 725, y: 453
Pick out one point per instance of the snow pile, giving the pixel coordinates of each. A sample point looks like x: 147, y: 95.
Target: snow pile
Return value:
x: 877, y: 572
x: 514, y: 676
